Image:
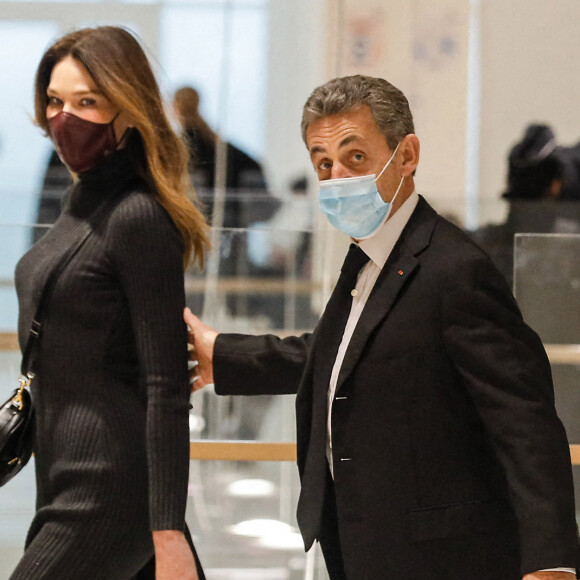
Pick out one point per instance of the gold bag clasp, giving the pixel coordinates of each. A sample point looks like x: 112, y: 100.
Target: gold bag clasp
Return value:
x: 24, y: 381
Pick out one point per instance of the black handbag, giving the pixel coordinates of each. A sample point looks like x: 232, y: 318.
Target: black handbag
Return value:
x: 17, y: 413
x: 16, y: 431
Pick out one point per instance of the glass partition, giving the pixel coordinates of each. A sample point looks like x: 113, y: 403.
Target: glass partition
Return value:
x: 257, y: 280
x: 547, y: 287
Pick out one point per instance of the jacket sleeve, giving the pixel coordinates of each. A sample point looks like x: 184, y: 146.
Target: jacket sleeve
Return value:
x: 148, y: 252
x: 504, y: 367
x: 259, y: 365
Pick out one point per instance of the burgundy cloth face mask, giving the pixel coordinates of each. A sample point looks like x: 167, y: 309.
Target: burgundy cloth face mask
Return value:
x: 81, y: 144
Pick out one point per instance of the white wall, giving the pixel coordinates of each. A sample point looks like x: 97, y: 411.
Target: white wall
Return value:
x: 296, y: 62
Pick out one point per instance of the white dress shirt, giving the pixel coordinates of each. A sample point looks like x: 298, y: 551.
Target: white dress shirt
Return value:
x: 378, y: 248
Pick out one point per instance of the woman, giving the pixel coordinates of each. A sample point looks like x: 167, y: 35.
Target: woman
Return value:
x: 111, y: 388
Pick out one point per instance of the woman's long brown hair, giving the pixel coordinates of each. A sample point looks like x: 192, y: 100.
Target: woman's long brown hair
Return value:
x: 121, y: 70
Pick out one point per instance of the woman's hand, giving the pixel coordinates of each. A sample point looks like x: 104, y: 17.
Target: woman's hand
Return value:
x: 173, y: 556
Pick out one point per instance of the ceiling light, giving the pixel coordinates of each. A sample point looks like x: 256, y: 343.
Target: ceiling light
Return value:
x: 251, y: 488
x: 258, y: 528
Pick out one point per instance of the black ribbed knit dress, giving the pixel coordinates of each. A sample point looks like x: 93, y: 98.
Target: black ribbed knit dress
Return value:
x: 111, y: 394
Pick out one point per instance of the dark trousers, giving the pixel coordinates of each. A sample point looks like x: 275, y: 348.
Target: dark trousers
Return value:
x: 329, y: 537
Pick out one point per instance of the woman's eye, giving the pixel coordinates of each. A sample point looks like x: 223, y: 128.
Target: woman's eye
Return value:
x: 87, y: 102
x: 54, y: 101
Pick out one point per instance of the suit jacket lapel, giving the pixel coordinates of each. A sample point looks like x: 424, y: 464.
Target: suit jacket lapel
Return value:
x: 392, y: 280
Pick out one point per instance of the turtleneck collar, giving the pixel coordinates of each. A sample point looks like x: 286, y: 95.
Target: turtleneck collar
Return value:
x: 109, y: 178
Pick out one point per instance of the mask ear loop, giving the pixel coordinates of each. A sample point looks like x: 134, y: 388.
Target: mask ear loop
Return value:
x: 397, y: 192
x: 389, y: 161
x: 400, y: 182
x: 124, y: 137
x: 126, y: 132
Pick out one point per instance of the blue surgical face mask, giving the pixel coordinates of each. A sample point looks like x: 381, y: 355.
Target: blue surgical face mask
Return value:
x: 353, y: 204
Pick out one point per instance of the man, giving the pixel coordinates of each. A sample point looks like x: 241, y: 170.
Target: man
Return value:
x: 428, y: 443
x: 244, y: 177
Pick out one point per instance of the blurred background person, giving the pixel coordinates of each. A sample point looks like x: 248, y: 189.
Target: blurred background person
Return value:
x: 543, y: 188
x: 282, y: 248
x: 247, y: 196
x: 223, y: 173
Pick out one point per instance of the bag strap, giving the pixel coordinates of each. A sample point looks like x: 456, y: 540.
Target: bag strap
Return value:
x: 26, y: 371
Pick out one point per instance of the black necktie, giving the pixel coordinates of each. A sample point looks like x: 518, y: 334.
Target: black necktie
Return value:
x: 354, y: 261
x: 337, y: 311
x: 330, y: 331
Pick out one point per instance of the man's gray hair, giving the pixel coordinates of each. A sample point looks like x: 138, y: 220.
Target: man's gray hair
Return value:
x: 388, y: 105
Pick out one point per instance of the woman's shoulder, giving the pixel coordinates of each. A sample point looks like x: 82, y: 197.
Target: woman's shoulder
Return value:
x: 137, y: 214
x: 138, y: 202
x: 138, y: 207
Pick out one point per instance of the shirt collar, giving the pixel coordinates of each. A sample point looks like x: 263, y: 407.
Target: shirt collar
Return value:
x: 380, y: 245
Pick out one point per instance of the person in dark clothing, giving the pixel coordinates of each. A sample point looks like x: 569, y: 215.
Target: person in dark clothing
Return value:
x: 543, y: 191
x: 111, y: 388
x: 428, y: 442
x: 570, y: 172
x: 233, y: 191
x: 247, y: 197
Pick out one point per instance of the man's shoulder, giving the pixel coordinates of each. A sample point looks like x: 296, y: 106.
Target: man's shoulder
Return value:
x: 451, y: 254
x: 444, y: 235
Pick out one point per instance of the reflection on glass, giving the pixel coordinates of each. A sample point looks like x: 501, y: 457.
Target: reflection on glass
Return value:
x: 547, y: 287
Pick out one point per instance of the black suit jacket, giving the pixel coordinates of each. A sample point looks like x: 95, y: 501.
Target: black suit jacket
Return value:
x: 449, y: 459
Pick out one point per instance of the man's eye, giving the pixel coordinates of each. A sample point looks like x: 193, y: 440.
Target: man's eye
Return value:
x: 358, y: 157
x: 325, y: 166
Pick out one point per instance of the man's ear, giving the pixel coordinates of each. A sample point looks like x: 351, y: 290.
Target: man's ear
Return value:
x: 410, y: 149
